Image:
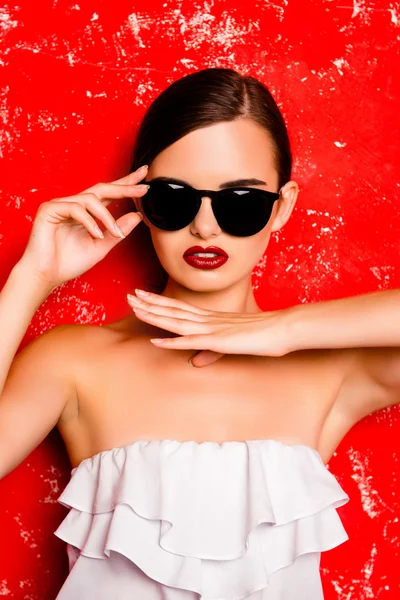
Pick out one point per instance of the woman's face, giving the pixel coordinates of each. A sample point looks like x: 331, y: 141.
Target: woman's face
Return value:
x: 206, y: 159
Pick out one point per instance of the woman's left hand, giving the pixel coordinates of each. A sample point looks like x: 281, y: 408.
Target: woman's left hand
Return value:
x: 214, y: 333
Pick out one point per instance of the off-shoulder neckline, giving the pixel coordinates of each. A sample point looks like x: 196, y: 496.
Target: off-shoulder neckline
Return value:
x: 196, y: 444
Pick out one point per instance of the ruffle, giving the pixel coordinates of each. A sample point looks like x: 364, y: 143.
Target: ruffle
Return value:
x: 216, y: 519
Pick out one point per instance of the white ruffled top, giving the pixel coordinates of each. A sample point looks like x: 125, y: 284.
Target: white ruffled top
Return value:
x: 217, y: 520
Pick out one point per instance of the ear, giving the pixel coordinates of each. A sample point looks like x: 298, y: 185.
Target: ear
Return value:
x: 286, y: 203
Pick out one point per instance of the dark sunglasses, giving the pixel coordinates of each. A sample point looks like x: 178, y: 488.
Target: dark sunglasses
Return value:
x: 239, y: 211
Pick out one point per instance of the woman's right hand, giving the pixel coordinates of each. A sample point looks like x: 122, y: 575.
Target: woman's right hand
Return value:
x: 65, y: 240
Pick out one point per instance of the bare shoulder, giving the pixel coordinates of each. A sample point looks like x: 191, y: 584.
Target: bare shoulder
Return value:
x: 72, y: 338
x: 75, y: 344
x: 70, y: 349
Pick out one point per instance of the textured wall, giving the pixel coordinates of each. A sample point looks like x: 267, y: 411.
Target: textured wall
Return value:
x: 75, y: 78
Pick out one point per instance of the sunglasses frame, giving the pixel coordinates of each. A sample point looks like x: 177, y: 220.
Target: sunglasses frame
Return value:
x: 214, y: 195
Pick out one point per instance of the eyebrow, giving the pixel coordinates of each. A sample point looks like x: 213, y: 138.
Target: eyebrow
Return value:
x: 227, y: 184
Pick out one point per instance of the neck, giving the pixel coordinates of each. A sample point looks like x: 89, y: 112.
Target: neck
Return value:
x: 237, y: 298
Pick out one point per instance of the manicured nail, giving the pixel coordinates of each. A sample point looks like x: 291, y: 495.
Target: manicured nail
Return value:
x: 119, y: 231
x: 142, y: 293
x: 134, y: 300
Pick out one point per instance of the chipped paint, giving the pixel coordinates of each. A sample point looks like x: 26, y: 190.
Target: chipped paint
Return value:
x: 331, y: 65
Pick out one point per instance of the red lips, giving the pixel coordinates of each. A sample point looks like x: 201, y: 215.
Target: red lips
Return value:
x: 214, y: 249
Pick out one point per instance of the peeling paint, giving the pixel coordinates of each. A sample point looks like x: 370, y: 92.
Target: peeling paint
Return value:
x: 76, y: 80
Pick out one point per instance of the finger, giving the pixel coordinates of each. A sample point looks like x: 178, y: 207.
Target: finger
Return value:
x: 181, y: 326
x: 166, y: 311
x: 114, y: 192
x: 67, y: 210
x: 205, y: 358
x: 185, y: 342
x: 133, y: 177
x: 165, y: 301
x: 109, y: 192
x: 92, y: 203
x: 127, y: 224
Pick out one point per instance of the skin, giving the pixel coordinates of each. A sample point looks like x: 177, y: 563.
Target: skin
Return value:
x: 295, y: 398
x: 206, y: 158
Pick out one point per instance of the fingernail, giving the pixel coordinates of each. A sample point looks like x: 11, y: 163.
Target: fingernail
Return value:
x: 142, y: 186
x: 190, y: 362
x: 119, y: 231
x: 99, y: 232
x: 134, y: 300
x: 143, y: 167
x: 141, y: 293
x: 140, y: 214
x: 157, y: 340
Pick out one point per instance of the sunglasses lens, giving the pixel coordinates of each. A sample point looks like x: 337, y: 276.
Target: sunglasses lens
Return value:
x: 243, y: 212
x: 169, y: 206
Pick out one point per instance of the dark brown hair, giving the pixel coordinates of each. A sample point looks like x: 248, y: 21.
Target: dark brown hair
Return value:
x: 201, y: 99
x: 206, y: 97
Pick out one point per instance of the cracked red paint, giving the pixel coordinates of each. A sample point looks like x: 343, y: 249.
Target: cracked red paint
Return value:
x: 76, y: 78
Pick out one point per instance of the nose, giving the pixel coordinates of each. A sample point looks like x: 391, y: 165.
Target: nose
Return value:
x: 205, y: 225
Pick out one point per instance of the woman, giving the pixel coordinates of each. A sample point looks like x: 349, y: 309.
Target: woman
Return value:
x: 193, y: 483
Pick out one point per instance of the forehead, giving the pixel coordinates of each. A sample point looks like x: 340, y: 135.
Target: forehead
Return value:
x: 220, y: 152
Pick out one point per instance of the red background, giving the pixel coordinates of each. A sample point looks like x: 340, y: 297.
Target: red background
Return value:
x: 75, y: 79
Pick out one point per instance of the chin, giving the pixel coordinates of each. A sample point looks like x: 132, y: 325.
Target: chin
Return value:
x: 203, y: 281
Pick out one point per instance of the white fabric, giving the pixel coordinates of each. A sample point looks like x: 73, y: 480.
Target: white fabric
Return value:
x: 170, y: 520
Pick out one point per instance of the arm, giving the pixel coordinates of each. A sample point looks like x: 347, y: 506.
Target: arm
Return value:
x: 34, y: 388
x: 65, y: 242
x: 367, y: 328
x: 364, y: 330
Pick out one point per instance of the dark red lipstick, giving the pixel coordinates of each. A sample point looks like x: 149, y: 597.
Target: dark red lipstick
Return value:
x: 217, y: 258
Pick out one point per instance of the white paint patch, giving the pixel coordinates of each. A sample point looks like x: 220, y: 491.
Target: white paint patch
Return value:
x: 360, y: 587
x: 358, y: 6
x: 71, y: 58
x: 4, y: 590
x: 360, y: 475
x: 9, y: 135
x: 394, y: 13
x: 90, y: 94
x: 26, y: 535
x: 258, y: 271
x: 134, y: 24
x: 141, y: 95
x: 15, y: 201
x: 69, y: 303
x: 340, y: 63
x: 384, y: 274
x: 340, y: 144
x: 279, y: 8
x: 50, y: 122
x: 51, y: 498
x: 201, y: 27
x: 371, y: 502
x: 7, y: 23
x: 188, y: 63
